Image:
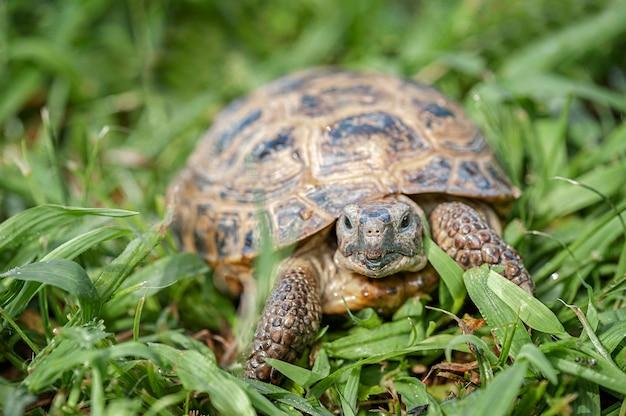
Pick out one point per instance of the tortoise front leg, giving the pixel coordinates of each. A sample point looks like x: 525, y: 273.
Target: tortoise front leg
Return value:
x: 467, y: 237
x: 289, y: 322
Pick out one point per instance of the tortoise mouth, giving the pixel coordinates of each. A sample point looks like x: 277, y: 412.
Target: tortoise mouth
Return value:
x: 374, y: 265
x: 385, y: 265
x: 379, y: 263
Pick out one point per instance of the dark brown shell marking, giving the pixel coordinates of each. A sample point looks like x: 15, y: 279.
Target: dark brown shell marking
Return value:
x: 304, y: 146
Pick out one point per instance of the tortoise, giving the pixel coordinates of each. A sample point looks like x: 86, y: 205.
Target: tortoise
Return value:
x: 350, y: 170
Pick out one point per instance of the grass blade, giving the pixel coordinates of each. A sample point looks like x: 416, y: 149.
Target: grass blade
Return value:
x: 390, y: 336
x: 298, y: 375
x: 534, y: 356
x: 67, y: 250
x: 114, y: 274
x: 66, y: 354
x: 349, y: 391
x: 572, y: 42
x: 414, y: 395
x: 613, y: 336
x: 260, y: 402
x: 79, y: 244
x: 197, y: 373
x: 163, y: 273
x: 543, y: 86
x: 565, y: 199
x: 587, y: 402
x: 592, y: 368
x: 496, y: 312
x: 14, y: 400
x: 309, y: 406
x: 530, y: 310
x: 434, y: 343
x: 35, y: 221
x: 450, y: 272
x: 64, y: 274
x: 498, y: 398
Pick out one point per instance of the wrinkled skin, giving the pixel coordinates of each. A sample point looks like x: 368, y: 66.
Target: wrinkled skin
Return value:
x: 381, y: 238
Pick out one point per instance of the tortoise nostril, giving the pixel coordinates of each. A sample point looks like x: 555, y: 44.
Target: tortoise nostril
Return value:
x: 372, y: 231
x: 372, y: 227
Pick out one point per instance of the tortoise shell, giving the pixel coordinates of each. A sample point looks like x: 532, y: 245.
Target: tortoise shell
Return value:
x: 295, y: 152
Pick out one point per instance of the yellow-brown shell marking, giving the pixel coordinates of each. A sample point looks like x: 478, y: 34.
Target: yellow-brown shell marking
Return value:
x: 301, y: 148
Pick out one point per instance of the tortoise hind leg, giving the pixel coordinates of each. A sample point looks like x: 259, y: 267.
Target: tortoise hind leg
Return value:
x: 466, y: 236
x: 289, y: 322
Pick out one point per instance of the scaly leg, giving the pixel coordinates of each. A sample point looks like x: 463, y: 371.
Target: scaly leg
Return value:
x: 466, y: 236
x: 289, y: 322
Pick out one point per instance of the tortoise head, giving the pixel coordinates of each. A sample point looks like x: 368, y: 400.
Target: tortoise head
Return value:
x: 381, y: 237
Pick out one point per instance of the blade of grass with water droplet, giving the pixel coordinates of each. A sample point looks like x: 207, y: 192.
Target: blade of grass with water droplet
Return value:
x: 601, y: 233
x: 530, y: 309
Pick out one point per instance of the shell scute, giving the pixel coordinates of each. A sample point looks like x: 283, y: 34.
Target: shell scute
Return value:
x: 332, y: 198
x: 373, y: 139
x: 226, y: 137
x: 294, y: 153
x: 227, y: 234
x: 470, y: 176
x: 434, y: 175
x: 330, y: 99
x: 294, y: 218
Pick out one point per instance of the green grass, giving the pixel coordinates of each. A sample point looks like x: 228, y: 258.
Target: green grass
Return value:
x: 100, y: 104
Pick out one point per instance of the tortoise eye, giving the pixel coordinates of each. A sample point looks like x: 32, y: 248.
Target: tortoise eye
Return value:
x: 406, y: 221
x: 347, y: 223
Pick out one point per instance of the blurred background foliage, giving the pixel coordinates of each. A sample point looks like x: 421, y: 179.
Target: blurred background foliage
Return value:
x: 102, y: 101
x: 152, y: 74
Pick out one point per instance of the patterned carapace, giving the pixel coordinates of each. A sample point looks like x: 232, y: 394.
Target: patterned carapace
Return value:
x: 301, y: 148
